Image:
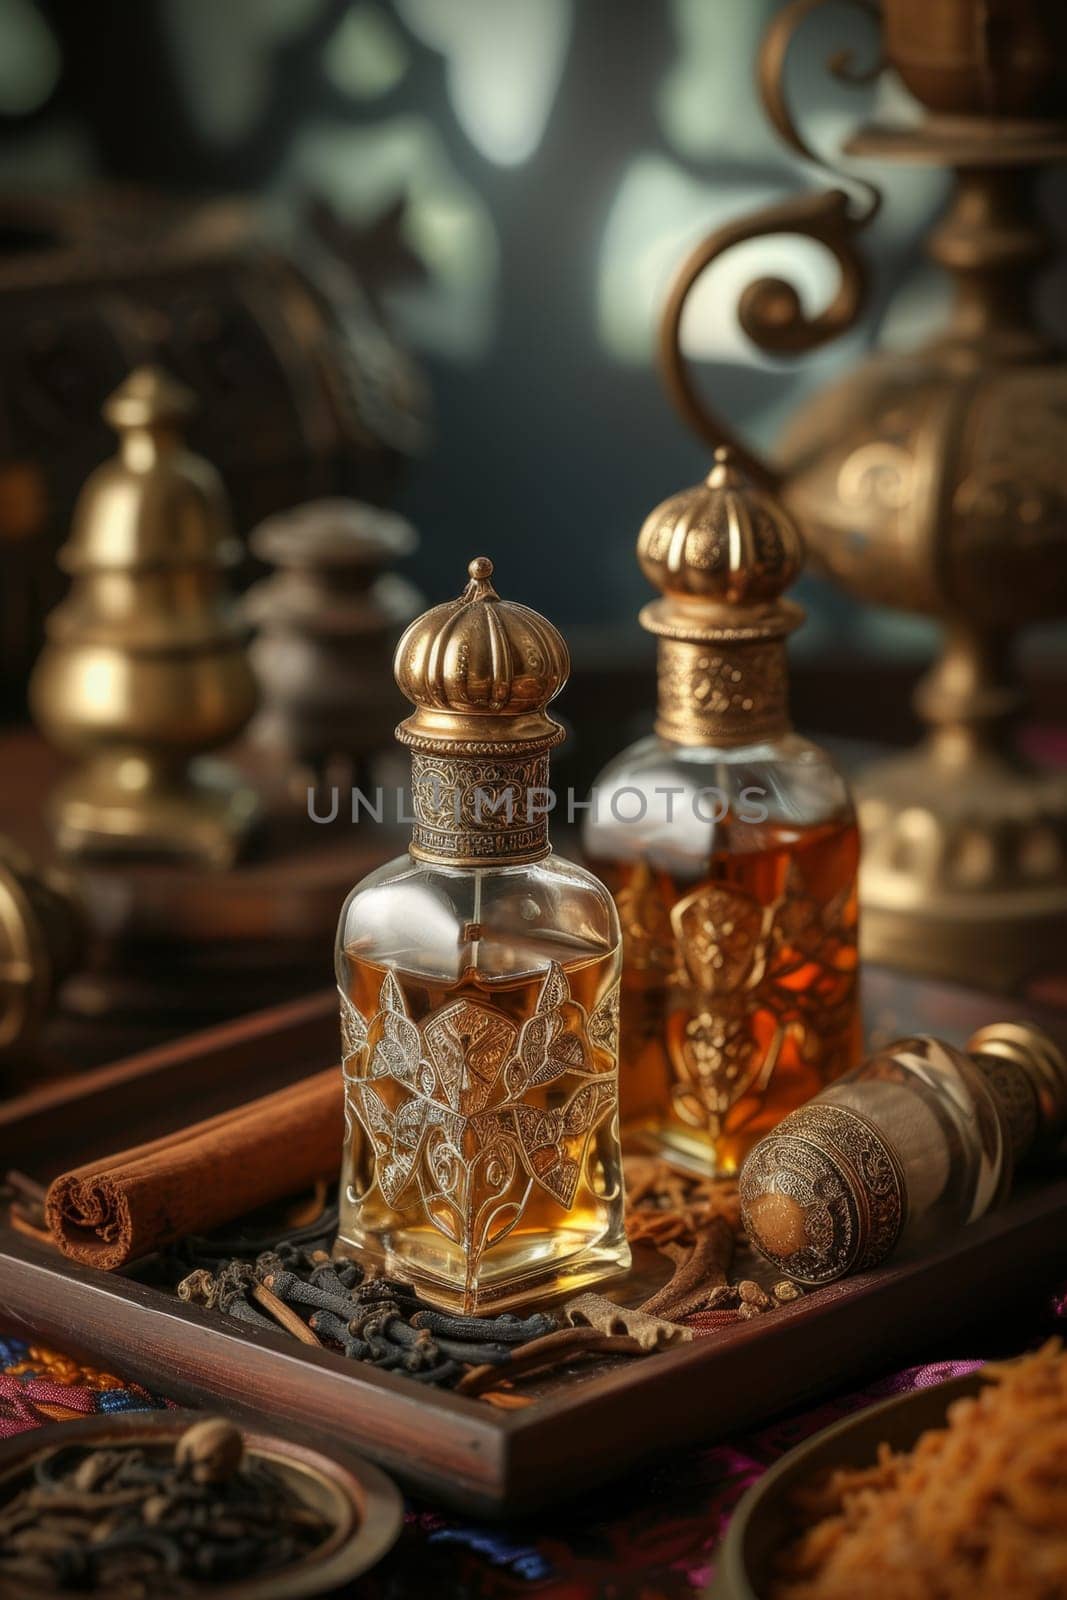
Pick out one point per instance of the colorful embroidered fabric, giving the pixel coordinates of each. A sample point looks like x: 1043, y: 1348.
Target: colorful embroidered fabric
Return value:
x: 651, y: 1536
x: 39, y: 1385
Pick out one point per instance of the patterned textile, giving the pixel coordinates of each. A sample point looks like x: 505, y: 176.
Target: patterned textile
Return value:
x: 651, y: 1536
x: 39, y: 1385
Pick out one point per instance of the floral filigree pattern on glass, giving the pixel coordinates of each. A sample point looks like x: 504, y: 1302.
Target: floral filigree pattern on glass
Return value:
x: 469, y: 1114
x: 749, y: 977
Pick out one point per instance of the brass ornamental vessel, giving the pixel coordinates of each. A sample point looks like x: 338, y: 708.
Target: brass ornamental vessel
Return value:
x: 935, y: 480
x: 145, y: 666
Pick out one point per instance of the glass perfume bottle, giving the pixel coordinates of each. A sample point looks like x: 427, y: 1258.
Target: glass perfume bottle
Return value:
x: 479, y: 983
x: 730, y: 845
x: 917, y: 1141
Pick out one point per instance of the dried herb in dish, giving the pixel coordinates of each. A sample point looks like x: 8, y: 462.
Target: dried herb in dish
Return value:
x: 977, y: 1510
x: 141, y: 1523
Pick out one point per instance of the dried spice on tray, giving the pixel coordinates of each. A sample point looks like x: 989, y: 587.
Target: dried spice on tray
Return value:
x: 293, y: 1283
x: 386, y: 1324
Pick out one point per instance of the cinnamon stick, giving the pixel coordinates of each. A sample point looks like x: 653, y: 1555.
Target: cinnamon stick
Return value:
x: 125, y: 1206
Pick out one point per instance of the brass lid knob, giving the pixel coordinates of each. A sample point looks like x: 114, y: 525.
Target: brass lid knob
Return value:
x: 480, y: 672
x: 721, y: 553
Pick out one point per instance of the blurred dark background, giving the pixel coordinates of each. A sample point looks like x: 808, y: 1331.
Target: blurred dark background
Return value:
x: 414, y: 252
x: 516, y: 179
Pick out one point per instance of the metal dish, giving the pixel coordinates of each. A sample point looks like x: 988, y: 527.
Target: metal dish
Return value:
x: 362, y: 1505
x: 761, y: 1522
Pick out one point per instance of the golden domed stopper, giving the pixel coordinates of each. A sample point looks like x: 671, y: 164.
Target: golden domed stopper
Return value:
x: 480, y: 672
x: 721, y: 553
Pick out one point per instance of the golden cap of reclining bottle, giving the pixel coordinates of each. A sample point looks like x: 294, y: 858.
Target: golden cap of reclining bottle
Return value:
x: 823, y: 1195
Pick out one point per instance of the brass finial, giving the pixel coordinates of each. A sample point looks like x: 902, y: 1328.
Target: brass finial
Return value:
x: 480, y: 571
x: 148, y: 398
x: 480, y: 672
x: 144, y: 667
x: 721, y: 553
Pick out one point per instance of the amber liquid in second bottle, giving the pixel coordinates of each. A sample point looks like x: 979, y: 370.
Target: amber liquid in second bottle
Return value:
x: 738, y: 999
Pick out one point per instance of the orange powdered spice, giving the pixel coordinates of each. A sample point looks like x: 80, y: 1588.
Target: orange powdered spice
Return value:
x: 977, y: 1510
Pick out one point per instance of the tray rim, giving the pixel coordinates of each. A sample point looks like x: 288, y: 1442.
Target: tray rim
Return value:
x: 495, y: 1462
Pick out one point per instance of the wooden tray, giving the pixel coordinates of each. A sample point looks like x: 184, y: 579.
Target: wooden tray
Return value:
x: 587, y: 1424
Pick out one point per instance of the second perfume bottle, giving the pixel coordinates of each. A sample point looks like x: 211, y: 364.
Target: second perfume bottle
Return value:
x: 730, y: 845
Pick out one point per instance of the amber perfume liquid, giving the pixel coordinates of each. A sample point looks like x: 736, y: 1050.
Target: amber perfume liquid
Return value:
x: 739, y: 988
x: 482, y: 1148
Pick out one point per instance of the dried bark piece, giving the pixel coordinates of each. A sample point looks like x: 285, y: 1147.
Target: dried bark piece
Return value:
x: 507, y: 1399
x: 698, y: 1273
x: 668, y: 1201
x: 651, y: 1333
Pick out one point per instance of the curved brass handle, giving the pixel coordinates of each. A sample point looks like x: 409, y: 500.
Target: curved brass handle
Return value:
x: 770, y: 310
x: 770, y: 79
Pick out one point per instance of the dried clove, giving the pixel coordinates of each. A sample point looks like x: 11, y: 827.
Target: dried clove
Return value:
x: 371, y: 1318
x: 504, y: 1329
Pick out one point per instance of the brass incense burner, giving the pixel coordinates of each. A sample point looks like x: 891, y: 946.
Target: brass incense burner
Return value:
x: 145, y: 666
x: 936, y: 480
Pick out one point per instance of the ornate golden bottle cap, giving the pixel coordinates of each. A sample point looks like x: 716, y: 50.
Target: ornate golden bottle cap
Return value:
x: 823, y: 1194
x: 721, y: 553
x: 1027, y: 1072
x: 480, y: 672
